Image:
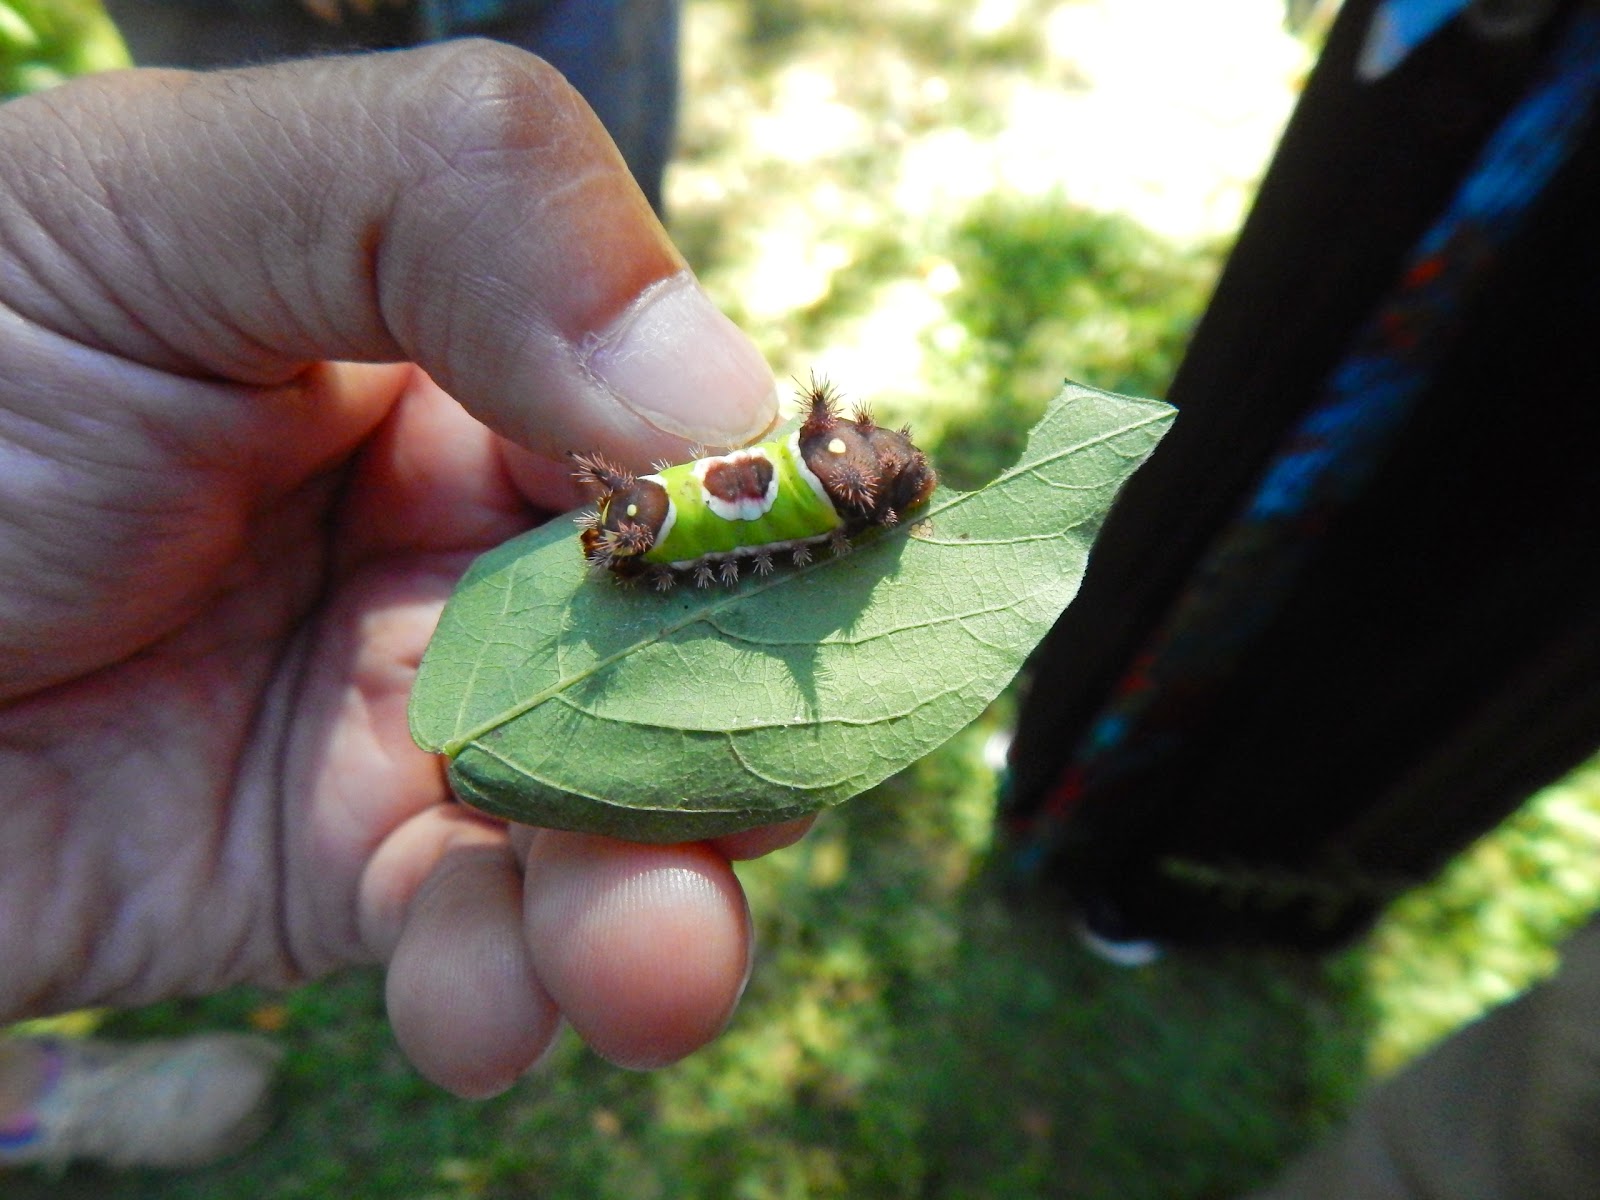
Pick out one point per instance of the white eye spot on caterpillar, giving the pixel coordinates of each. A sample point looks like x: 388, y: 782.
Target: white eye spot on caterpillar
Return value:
x: 633, y: 510
x: 836, y: 446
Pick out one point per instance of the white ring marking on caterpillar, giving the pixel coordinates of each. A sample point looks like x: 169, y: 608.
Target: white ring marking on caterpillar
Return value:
x: 744, y: 507
x: 807, y: 473
x: 672, y: 509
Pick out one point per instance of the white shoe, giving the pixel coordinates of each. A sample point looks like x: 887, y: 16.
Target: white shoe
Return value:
x: 177, y: 1103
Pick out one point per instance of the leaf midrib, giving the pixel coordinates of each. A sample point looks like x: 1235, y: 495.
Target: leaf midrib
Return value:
x: 712, y: 605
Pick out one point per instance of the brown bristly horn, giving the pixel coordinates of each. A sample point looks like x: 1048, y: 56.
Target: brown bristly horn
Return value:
x: 823, y: 414
x: 597, y: 472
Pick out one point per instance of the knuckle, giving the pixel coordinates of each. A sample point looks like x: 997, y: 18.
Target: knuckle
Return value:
x: 480, y: 97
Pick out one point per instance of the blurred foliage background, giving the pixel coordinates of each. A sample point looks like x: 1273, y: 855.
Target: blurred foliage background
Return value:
x: 946, y: 206
x: 43, y: 42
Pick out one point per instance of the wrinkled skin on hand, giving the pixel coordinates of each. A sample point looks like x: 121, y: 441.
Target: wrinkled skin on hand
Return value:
x: 280, y: 351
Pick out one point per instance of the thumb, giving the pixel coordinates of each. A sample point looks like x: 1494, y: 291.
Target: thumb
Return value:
x: 457, y: 206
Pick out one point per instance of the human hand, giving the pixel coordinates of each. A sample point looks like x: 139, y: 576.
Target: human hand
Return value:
x: 230, y: 511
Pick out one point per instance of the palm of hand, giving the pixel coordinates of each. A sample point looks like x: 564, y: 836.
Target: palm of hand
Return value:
x: 219, y: 786
x: 212, y: 671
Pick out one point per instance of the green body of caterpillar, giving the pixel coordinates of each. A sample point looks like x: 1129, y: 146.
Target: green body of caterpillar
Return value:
x: 832, y: 477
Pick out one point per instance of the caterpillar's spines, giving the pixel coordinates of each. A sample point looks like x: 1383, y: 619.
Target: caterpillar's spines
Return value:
x: 598, y: 555
x: 853, y: 487
x: 595, y: 471
x: 630, y: 538
x: 822, y: 415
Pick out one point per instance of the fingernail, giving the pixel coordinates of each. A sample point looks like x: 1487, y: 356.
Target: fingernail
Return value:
x: 674, y: 359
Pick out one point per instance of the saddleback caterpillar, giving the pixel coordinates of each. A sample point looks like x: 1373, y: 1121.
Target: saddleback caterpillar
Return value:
x: 831, y: 478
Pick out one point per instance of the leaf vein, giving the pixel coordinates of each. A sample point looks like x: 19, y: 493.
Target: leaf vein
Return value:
x: 801, y: 720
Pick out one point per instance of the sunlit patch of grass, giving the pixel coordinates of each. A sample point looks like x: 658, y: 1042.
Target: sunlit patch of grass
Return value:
x: 1049, y: 281
x: 832, y: 153
x: 1489, y: 926
x: 1047, y: 291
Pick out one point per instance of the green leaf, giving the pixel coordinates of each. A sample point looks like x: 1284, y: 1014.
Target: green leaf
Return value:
x: 566, y: 701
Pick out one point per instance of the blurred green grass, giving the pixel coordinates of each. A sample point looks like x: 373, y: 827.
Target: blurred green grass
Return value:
x: 908, y: 1032
x: 911, y: 1029
x: 43, y: 42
